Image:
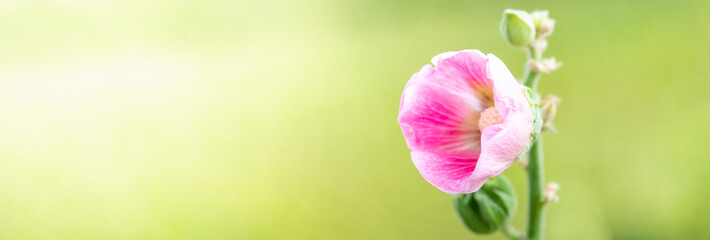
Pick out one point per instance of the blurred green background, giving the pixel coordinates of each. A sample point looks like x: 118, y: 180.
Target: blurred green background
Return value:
x: 128, y: 119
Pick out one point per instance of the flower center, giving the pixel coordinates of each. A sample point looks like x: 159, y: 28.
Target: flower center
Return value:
x: 489, y: 117
x: 485, y: 95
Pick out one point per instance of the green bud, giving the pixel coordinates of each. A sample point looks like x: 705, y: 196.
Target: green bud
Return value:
x: 517, y: 27
x: 488, y: 209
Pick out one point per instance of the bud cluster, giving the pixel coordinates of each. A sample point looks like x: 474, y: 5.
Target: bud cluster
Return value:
x: 530, y: 30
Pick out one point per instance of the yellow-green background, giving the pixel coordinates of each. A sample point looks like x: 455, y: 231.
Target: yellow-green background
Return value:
x: 135, y: 119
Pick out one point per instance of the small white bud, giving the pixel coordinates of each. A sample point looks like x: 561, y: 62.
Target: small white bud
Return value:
x: 544, y: 25
x: 545, y: 66
x: 540, y: 43
x: 549, y: 110
x: 550, y: 194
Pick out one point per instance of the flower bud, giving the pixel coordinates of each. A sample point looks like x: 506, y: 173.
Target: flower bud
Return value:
x: 517, y: 27
x: 549, y: 110
x: 546, y: 65
x: 543, y: 23
x: 550, y: 194
x: 488, y: 209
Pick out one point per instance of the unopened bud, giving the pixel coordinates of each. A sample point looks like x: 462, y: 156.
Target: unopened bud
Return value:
x: 550, y: 194
x: 517, y: 28
x: 549, y: 110
x: 545, y: 66
x: 543, y: 23
x: 488, y: 209
x: 540, y: 43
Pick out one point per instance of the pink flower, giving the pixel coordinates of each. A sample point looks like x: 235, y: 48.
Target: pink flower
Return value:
x: 466, y: 120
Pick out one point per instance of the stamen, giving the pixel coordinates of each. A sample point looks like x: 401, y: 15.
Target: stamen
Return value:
x: 489, y: 117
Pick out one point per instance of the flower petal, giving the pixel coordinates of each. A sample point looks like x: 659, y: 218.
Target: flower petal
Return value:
x: 501, y: 144
x: 450, y: 174
x: 439, y: 111
x: 467, y: 68
x: 507, y: 92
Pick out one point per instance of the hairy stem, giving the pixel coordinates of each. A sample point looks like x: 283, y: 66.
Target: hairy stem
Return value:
x: 536, y: 185
x: 535, y: 170
x: 531, y: 77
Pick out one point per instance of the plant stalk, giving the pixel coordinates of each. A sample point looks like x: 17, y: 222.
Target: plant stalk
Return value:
x: 531, y: 77
x: 536, y: 186
x: 535, y: 169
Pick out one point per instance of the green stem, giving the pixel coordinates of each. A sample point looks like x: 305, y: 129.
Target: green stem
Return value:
x: 536, y: 185
x: 535, y: 170
x: 531, y: 77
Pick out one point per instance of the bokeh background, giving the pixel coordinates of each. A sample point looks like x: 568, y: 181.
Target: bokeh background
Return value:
x: 129, y: 119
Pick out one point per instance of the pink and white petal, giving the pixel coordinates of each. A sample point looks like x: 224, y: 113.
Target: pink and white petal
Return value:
x: 441, y: 56
x: 439, y: 111
x: 417, y: 78
x: 438, y: 120
x: 462, y: 70
x: 449, y: 174
x: 501, y: 144
x: 507, y: 92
